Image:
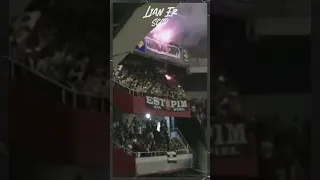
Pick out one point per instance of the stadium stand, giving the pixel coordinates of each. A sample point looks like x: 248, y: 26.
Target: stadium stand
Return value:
x: 49, y: 50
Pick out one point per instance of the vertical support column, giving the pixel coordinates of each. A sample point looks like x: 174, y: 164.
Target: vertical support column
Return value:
x: 63, y: 95
x: 208, y: 92
x: 74, y: 100
x: 111, y: 92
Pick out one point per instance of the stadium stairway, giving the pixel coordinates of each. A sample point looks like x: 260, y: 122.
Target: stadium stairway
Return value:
x: 49, y: 133
x: 194, y: 133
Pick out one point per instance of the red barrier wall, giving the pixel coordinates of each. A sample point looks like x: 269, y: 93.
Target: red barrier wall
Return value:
x: 124, y: 165
x: 122, y: 100
x: 54, y: 132
x: 91, y: 137
x: 237, y: 166
x: 139, y: 107
x: 40, y: 125
x: 136, y: 105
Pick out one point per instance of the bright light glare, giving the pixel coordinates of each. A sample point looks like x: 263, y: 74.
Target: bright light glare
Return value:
x: 148, y: 116
x: 168, y: 77
x: 163, y: 36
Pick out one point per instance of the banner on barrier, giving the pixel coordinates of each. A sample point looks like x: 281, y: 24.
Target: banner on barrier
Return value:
x: 158, y: 103
x: 230, y: 139
x: 162, y: 48
x: 162, y: 51
x: 172, y: 157
x: 141, y: 46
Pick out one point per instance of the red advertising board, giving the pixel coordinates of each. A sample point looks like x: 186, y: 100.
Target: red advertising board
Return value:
x: 236, y: 166
x: 156, y: 106
x: 234, y: 151
x: 54, y: 132
x: 124, y: 165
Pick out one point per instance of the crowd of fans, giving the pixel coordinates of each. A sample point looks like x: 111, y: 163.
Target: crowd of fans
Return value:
x: 72, y: 54
x: 144, y: 81
x: 283, y: 148
x: 62, y: 48
x: 145, y: 136
x: 199, y: 110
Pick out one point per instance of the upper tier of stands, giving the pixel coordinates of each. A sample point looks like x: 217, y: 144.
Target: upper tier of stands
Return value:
x: 78, y: 61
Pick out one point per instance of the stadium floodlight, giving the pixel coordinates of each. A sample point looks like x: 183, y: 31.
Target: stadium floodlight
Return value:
x: 148, y: 116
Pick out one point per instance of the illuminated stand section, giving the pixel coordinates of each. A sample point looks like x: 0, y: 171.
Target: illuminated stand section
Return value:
x: 160, y: 161
x: 131, y: 107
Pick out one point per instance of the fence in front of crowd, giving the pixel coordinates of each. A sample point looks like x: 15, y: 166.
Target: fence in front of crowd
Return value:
x: 176, y: 132
x: 67, y: 95
x: 140, y: 154
x: 133, y: 92
x: 198, y: 62
x: 78, y: 99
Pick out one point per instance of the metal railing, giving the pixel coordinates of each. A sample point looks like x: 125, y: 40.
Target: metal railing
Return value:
x: 68, y: 95
x: 135, y: 93
x: 185, y: 150
x: 183, y: 139
x: 141, y: 154
x: 131, y: 91
x: 198, y: 62
x: 76, y: 95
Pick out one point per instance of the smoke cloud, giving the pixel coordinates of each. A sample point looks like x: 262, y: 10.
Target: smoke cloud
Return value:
x: 192, y: 22
x: 188, y: 29
x: 190, y: 25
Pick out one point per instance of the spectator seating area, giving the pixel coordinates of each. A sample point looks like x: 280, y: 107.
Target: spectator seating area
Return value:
x: 283, y: 147
x: 63, y: 49
x: 199, y: 110
x: 145, y: 81
x: 79, y: 61
x: 147, y: 137
x: 70, y: 53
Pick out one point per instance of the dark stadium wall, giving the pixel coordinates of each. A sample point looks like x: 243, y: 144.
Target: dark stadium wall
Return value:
x: 198, y: 94
x: 124, y: 165
x: 91, y: 137
x: 282, y: 105
x: 40, y: 127
x: 121, y: 13
x: 191, y: 129
x: 195, y: 82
